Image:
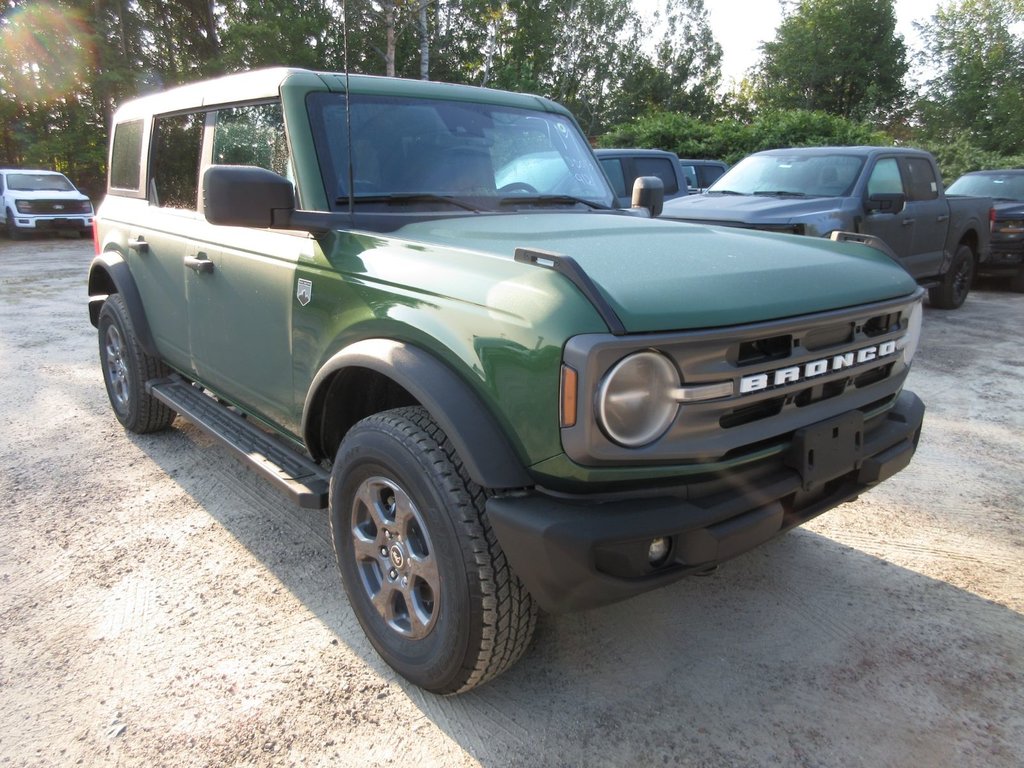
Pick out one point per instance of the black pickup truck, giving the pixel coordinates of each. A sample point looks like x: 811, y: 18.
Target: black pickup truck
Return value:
x: 1006, y: 188
x: 894, y: 194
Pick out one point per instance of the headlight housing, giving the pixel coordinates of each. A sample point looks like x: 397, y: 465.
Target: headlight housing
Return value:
x: 24, y: 206
x: 912, y: 338
x: 634, y: 402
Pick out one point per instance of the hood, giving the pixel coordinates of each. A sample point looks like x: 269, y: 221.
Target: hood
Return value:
x: 46, y: 194
x: 666, y: 275
x: 746, y: 209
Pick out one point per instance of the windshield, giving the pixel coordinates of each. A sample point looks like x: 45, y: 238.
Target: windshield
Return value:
x: 791, y: 175
x: 1003, y: 186
x: 461, y: 155
x: 39, y: 182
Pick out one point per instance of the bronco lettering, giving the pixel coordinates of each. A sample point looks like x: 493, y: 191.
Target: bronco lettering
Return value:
x: 757, y: 381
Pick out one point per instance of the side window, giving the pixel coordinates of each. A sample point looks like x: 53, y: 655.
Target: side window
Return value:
x: 690, y: 172
x: 613, y: 170
x: 251, y: 135
x: 921, y: 181
x: 126, y: 157
x: 885, y: 178
x: 709, y: 174
x: 174, y: 176
x: 1, y: 184
x: 660, y: 167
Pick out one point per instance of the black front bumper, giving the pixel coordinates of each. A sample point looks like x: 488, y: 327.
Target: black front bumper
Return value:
x: 576, y: 553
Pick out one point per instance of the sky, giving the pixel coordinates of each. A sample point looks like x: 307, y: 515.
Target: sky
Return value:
x: 741, y: 26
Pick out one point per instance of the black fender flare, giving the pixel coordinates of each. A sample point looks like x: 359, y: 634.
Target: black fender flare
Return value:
x: 109, y: 273
x: 475, y: 433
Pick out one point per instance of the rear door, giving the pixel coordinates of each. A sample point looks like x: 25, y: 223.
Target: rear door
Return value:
x: 930, y: 213
x: 158, y: 236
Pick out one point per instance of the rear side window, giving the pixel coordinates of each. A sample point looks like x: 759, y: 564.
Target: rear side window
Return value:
x: 126, y: 157
x: 709, y: 174
x: 660, y: 167
x: 921, y: 181
x: 251, y: 135
x: 174, y: 176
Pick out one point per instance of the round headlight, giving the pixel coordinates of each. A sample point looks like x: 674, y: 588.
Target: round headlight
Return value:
x: 913, y: 336
x: 634, y: 402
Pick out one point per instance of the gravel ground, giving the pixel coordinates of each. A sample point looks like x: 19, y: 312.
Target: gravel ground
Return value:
x: 163, y: 606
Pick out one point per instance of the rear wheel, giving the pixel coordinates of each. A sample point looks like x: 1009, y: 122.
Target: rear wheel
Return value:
x: 127, y: 368
x: 423, y: 570
x: 956, y: 283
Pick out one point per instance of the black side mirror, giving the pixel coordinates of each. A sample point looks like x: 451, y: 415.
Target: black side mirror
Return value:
x: 886, y: 202
x: 247, y: 196
x: 649, y: 193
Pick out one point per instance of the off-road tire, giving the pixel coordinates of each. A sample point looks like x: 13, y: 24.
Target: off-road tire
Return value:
x: 127, y: 368
x: 464, y: 617
x: 956, y: 283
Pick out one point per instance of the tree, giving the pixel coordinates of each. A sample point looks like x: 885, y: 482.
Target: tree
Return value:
x: 977, y: 49
x: 684, y: 73
x: 839, y: 56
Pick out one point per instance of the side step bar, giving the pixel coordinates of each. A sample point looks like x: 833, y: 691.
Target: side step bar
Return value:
x: 305, y: 481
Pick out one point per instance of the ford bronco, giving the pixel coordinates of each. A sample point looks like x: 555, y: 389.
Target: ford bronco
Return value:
x: 415, y: 305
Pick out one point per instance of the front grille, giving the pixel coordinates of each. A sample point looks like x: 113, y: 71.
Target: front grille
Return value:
x: 55, y: 207
x: 786, y: 374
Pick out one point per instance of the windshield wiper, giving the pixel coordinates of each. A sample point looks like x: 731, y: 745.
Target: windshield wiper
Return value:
x: 724, y: 192
x: 779, y: 193
x: 551, y: 200
x: 410, y: 197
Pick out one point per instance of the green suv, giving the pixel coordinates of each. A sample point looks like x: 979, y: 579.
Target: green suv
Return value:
x: 415, y: 305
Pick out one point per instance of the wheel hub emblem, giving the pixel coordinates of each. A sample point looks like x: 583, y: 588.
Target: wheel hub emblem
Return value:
x: 397, y: 556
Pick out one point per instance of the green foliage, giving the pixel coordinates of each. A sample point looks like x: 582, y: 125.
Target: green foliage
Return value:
x: 959, y: 157
x: 977, y: 49
x: 839, y: 56
x: 730, y: 140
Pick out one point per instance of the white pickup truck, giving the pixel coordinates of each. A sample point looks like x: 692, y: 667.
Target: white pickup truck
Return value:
x: 43, y: 201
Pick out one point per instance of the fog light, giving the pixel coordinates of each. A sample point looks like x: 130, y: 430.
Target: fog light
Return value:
x: 657, y: 552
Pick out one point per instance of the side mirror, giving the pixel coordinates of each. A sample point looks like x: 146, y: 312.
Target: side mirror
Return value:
x: 649, y: 193
x: 247, y: 196
x: 886, y: 202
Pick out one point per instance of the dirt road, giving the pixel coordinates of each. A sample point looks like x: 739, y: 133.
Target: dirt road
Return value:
x: 163, y: 606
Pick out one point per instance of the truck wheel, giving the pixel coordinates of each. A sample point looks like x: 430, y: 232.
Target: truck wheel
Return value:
x: 956, y: 283
x: 423, y: 570
x: 12, y: 228
x: 1017, y: 281
x: 127, y: 368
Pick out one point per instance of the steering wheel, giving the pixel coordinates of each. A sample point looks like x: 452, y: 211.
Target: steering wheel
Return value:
x: 518, y: 186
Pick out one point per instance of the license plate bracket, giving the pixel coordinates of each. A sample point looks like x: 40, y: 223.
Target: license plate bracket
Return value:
x: 824, y: 451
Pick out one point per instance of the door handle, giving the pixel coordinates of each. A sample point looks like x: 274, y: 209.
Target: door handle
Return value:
x: 199, y: 264
x: 944, y: 217
x: 139, y: 245
x: 907, y: 222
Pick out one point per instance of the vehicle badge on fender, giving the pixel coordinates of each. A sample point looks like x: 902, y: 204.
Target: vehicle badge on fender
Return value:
x: 304, y: 291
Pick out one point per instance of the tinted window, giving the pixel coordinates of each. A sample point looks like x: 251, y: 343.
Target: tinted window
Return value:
x: 921, y: 181
x: 660, y: 167
x: 126, y: 156
x: 174, y: 179
x: 885, y: 178
x: 251, y: 135
x: 613, y: 169
x: 1002, y: 186
x: 709, y: 174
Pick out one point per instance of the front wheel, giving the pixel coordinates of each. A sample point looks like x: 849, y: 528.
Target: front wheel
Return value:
x: 127, y: 368
x: 956, y: 283
x: 423, y: 570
